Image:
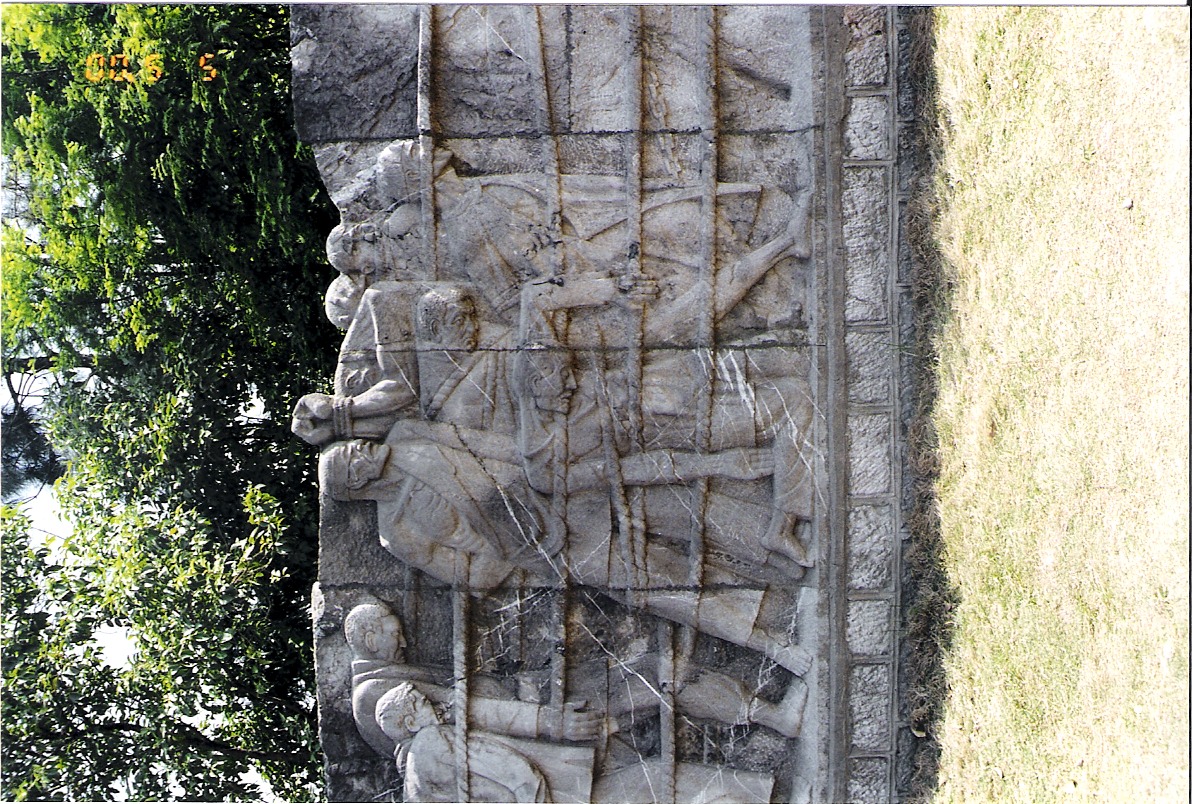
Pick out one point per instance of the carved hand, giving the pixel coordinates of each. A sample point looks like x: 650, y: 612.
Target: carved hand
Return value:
x: 638, y: 289
x: 312, y: 419
x: 576, y: 725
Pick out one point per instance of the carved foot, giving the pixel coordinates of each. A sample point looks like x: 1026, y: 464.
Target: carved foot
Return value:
x: 788, y: 716
x: 781, y: 538
x: 792, y: 657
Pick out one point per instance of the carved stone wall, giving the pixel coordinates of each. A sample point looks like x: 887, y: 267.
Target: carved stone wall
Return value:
x: 611, y: 497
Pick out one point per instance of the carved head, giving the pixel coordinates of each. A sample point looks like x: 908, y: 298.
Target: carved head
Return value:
x: 346, y: 467
x: 353, y: 249
x: 447, y: 318
x: 374, y: 632
x: 404, y: 711
x: 544, y: 374
x: 343, y: 299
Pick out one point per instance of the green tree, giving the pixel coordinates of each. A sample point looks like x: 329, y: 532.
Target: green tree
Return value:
x: 162, y: 265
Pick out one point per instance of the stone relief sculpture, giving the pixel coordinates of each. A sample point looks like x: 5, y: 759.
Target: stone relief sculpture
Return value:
x: 583, y: 391
x: 404, y: 711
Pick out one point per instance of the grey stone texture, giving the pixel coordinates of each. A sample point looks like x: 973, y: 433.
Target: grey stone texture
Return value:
x: 865, y: 201
x: 865, y: 56
x: 867, y: 128
x: 871, y: 545
x: 867, y: 782
x: 370, y: 94
x: 869, y: 704
x: 575, y: 469
x: 870, y: 366
x: 869, y: 452
x: 868, y: 631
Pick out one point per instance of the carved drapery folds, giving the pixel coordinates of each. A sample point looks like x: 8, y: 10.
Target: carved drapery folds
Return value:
x: 576, y: 385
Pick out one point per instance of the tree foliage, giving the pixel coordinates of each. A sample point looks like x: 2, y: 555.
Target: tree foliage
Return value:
x: 162, y: 265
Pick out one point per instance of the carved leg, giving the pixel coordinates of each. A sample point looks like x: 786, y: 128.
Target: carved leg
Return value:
x: 789, y: 412
x: 792, y: 657
x: 780, y: 537
x: 784, y: 717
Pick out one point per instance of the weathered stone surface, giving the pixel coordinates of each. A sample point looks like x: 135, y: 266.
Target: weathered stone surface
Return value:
x: 870, y: 546
x: 906, y: 90
x: 371, y: 95
x: 870, y: 366
x: 574, y: 521
x: 867, y: 128
x: 868, y: 781
x: 763, y: 79
x: 865, y: 201
x: 869, y: 702
x: 865, y: 60
x: 869, y: 452
x: 868, y: 629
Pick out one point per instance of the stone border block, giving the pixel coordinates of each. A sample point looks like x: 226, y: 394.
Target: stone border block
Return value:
x: 867, y: 128
x: 870, y: 462
x: 870, y: 547
x: 869, y: 707
x: 868, y: 631
x: 865, y: 59
x: 870, y: 367
x: 867, y: 780
x: 866, y: 226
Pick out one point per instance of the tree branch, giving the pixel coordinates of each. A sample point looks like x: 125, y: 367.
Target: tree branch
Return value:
x: 41, y: 363
x: 182, y: 734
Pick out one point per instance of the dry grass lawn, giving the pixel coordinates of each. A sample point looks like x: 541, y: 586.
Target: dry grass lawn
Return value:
x: 1062, y: 409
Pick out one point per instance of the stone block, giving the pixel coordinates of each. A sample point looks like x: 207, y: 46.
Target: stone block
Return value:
x: 871, y: 358
x: 866, y: 226
x: 674, y: 71
x: 865, y: 56
x: 596, y: 98
x: 906, y: 356
x: 765, y: 54
x: 904, y: 762
x: 869, y: 454
x: 349, y: 550
x: 868, y: 781
x: 371, y: 95
x: 906, y: 254
x: 869, y: 708
x: 868, y: 631
x: 490, y: 69
x: 782, y: 160
x: 867, y: 128
x: 870, y: 547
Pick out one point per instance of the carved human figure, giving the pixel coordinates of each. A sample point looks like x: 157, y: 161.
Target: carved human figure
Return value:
x: 403, y: 711
x: 493, y: 480
x: 427, y: 755
x: 377, y: 641
x: 476, y: 497
x: 497, y: 771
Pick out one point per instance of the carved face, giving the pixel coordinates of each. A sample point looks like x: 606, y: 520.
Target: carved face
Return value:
x: 423, y: 713
x: 447, y: 318
x: 404, y: 711
x: 459, y: 325
x: 373, y: 632
x: 351, y: 249
x: 551, y: 381
x: 385, y: 640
